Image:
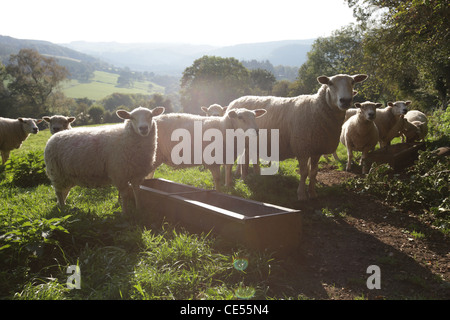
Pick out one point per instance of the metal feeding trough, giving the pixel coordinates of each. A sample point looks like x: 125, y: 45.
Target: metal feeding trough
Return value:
x: 257, y: 225
x: 398, y: 156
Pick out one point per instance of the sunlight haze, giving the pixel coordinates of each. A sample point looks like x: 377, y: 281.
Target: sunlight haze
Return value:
x: 196, y: 21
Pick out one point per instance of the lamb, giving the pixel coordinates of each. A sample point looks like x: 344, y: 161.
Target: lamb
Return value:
x: 13, y: 132
x: 389, y: 121
x: 92, y: 157
x: 359, y: 132
x: 58, y: 123
x: 214, y: 110
x: 167, y: 124
x: 309, y: 125
x: 417, y: 127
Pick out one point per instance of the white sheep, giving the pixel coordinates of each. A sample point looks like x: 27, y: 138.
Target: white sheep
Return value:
x: 390, y: 122
x: 92, y: 157
x: 187, y: 123
x: 58, y: 123
x: 417, y: 127
x: 309, y: 125
x: 13, y: 132
x: 214, y: 110
x: 359, y: 132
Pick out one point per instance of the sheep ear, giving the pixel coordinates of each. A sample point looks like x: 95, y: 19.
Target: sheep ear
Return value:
x: 205, y: 109
x: 232, y: 114
x: 20, y: 119
x: 71, y: 119
x: 407, y: 102
x: 358, y: 105
x: 157, y: 111
x: 390, y: 104
x: 123, y: 114
x: 46, y: 119
x: 355, y: 93
x: 260, y: 112
x: 38, y: 121
x: 378, y: 105
x: 323, y: 79
x: 360, y: 77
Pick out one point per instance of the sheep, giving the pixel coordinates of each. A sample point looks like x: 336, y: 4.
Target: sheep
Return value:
x: 417, y: 127
x: 167, y: 143
x: 58, y: 123
x: 309, y: 125
x: 359, y: 132
x: 390, y: 122
x: 13, y: 132
x: 214, y: 110
x: 92, y: 157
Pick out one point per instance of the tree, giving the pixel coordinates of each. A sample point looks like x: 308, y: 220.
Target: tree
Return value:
x: 342, y: 52
x: 411, y: 43
x: 33, y: 79
x: 96, y: 113
x: 212, y: 80
x: 263, y: 80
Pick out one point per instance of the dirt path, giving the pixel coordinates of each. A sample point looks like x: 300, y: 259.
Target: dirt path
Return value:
x: 356, y: 231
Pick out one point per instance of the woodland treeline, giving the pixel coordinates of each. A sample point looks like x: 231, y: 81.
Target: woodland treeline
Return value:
x: 404, y: 46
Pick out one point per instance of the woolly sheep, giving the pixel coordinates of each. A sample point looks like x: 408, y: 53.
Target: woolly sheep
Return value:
x: 309, y: 125
x: 389, y: 121
x: 417, y: 127
x: 167, y: 124
x: 214, y: 110
x: 58, y: 123
x: 13, y: 132
x: 98, y: 156
x: 359, y: 132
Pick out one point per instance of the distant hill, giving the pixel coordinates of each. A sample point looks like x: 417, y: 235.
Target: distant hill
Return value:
x: 172, y: 58
x: 160, y: 58
x: 79, y: 64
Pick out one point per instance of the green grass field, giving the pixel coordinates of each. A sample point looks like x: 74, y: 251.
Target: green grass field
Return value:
x: 104, y: 84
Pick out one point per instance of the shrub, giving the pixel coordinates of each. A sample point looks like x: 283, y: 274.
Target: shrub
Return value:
x: 426, y: 184
x: 29, y: 170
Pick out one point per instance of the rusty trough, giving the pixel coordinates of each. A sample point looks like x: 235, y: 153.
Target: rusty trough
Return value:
x: 255, y: 224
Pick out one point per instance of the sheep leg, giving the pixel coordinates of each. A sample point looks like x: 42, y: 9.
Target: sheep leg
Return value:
x: 363, y: 162
x: 304, y: 170
x: 61, y: 195
x: 349, y: 159
x: 228, y: 171
x: 5, y: 156
x: 215, y: 171
x: 314, y: 168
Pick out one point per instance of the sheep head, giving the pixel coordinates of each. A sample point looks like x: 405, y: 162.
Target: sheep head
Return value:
x: 340, y: 89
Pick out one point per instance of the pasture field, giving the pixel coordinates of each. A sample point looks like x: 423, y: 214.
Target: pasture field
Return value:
x: 103, y: 84
x: 346, y: 230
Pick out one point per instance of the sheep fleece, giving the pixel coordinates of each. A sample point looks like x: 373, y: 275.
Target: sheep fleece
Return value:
x: 94, y: 157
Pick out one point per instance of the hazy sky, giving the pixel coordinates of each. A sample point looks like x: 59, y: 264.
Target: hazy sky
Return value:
x: 190, y: 21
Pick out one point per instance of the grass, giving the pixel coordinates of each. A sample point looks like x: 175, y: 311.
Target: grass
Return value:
x: 120, y: 257
x: 103, y: 84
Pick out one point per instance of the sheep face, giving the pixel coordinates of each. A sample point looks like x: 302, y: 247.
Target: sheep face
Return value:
x: 368, y: 109
x: 58, y: 123
x: 246, y: 119
x: 399, y: 107
x: 29, y: 125
x: 141, y: 119
x: 214, y: 110
x: 340, y: 89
